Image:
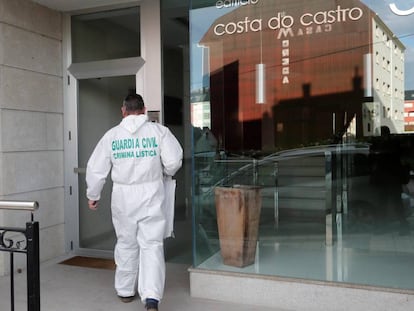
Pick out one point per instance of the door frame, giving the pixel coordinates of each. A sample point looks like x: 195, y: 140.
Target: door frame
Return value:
x: 147, y: 71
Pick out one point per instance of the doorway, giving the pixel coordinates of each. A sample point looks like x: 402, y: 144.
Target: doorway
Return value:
x: 105, y: 65
x: 95, y: 91
x: 99, y: 109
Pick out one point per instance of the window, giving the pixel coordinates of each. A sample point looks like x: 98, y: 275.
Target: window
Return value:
x: 325, y: 85
x: 106, y: 35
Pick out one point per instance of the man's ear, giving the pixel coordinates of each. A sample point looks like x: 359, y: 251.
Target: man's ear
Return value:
x: 123, y: 111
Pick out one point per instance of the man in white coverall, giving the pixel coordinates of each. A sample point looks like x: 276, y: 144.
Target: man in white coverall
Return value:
x: 139, y: 153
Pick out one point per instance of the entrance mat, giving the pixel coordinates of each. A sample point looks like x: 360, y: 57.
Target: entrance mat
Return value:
x: 89, y: 262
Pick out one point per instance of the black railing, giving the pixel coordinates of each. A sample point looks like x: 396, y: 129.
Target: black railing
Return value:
x: 26, y: 241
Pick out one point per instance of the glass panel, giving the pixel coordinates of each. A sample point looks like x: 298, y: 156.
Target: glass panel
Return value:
x: 174, y: 33
x: 312, y: 103
x: 100, y: 102
x: 106, y: 35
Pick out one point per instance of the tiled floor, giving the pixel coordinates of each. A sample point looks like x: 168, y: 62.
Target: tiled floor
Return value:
x: 69, y: 288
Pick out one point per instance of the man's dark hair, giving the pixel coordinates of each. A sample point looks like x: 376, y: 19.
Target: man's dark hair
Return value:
x: 133, y: 102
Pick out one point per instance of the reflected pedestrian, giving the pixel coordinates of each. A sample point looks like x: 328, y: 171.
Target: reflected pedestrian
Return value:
x: 388, y: 175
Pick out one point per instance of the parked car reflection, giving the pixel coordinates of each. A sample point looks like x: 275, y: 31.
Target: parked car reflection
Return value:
x: 306, y: 184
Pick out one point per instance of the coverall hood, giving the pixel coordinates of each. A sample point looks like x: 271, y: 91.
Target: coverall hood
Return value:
x: 133, y: 122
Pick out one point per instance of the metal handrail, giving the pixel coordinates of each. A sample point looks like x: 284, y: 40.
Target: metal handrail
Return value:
x: 30, y: 248
x: 288, y: 155
x: 19, y: 205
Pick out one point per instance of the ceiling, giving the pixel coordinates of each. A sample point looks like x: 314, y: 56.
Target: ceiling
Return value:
x: 75, y: 5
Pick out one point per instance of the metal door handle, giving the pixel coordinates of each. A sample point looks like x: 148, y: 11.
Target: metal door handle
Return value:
x: 79, y: 170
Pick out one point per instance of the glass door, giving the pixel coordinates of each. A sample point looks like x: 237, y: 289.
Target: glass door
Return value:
x: 99, y: 109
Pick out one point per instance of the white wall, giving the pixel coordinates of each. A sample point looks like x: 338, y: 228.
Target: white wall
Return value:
x: 149, y: 82
x: 31, y: 121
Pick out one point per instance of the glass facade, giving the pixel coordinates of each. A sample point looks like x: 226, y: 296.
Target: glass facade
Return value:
x: 303, y: 123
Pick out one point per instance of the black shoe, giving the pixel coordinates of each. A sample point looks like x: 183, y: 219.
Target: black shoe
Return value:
x: 126, y: 299
x: 151, y: 304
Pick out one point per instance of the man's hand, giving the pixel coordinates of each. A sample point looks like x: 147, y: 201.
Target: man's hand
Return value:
x: 93, y: 205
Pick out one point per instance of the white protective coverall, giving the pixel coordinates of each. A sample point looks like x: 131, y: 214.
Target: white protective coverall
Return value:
x: 139, y: 153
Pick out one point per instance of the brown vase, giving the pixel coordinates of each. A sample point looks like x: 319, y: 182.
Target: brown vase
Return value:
x: 238, y: 214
